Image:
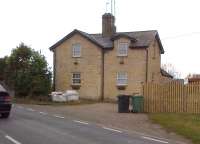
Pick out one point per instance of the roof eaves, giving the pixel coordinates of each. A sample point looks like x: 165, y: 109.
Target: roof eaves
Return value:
x: 85, y: 35
x: 88, y: 37
x: 166, y: 74
x: 159, y: 43
x: 63, y: 39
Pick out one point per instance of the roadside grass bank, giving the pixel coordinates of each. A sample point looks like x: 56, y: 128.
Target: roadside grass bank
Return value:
x: 187, y: 125
x: 47, y: 101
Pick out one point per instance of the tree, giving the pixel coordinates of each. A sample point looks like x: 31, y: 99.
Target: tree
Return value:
x: 2, y: 68
x: 169, y: 68
x: 28, y: 72
x: 41, y: 75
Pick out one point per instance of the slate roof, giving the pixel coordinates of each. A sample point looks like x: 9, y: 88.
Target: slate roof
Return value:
x: 104, y: 41
x: 166, y: 74
x: 141, y: 39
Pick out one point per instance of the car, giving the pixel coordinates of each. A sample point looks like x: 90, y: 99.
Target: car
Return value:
x: 5, y: 103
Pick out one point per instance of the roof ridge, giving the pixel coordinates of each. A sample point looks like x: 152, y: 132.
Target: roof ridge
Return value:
x: 139, y: 31
x: 95, y: 34
x: 126, y: 32
x: 81, y: 31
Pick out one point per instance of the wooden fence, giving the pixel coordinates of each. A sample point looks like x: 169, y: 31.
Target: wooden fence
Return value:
x: 172, y: 97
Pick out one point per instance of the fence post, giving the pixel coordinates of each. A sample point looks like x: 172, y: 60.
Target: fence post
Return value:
x: 185, y: 93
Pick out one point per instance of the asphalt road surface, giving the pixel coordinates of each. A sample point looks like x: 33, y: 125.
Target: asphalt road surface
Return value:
x: 29, y: 126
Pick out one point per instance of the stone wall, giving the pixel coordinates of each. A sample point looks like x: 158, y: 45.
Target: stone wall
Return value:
x: 134, y: 65
x: 89, y: 65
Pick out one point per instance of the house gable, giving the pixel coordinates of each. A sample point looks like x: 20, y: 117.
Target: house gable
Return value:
x: 88, y: 65
x: 83, y: 34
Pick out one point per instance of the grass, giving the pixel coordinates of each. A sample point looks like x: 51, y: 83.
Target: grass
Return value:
x: 48, y: 102
x: 187, y: 125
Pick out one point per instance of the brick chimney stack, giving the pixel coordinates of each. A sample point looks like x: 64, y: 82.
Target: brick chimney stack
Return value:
x: 108, y: 25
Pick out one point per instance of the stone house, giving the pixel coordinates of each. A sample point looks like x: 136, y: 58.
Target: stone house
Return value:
x: 104, y: 65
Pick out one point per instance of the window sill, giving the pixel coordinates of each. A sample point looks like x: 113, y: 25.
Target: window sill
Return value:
x: 75, y: 86
x: 122, y: 55
x: 76, y: 56
x: 121, y: 87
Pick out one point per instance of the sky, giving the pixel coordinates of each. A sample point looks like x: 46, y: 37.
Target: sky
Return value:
x: 41, y: 23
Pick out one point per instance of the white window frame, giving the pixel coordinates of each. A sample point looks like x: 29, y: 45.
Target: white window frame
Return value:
x: 122, y: 78
x: 76, y: 50
x: 122, y: 49
x: 76, y: 78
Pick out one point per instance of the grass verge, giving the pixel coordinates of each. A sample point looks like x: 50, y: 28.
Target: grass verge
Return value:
x: 187, y: 125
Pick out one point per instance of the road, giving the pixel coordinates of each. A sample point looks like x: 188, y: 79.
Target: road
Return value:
x: 29, y: 126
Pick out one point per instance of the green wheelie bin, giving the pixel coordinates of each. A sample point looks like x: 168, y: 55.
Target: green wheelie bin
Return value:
x: 137, y: 104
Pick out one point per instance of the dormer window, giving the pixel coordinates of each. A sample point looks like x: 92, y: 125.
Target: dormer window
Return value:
x: 122, y: 49
x: 76, y: 50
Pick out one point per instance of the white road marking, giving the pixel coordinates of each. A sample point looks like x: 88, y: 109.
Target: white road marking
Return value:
x: 57, y: 116
x: 30, y: 109
x: 110, y: 129
x: 152, y: 139
x: 81, y: 122
x: 43, y: 113
x: 144, y: 134
x: 12, y: 139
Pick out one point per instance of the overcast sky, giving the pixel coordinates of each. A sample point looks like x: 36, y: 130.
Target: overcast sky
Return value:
x: 41, y: 23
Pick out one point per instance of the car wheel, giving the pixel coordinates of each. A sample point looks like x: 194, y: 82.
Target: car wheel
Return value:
x: 5, y: 115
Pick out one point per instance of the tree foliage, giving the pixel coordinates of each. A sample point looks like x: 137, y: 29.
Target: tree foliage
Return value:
x: 27, y: 72
x: 2, y: 68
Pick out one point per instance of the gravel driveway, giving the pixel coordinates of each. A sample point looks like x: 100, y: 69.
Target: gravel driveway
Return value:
x: 106, y: 114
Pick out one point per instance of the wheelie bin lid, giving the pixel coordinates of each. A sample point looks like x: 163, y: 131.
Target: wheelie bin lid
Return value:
x: 124, y: 96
